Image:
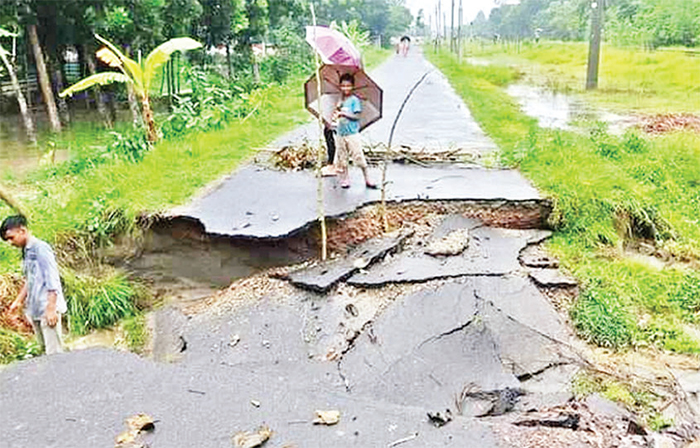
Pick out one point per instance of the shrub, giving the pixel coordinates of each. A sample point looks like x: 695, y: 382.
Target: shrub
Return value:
x: 599, y: 317
x: 14, y: 347
x: 97, y: 301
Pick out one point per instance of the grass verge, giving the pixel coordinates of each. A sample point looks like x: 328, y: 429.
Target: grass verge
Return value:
x: 611, y: 195
x: 84, y: 203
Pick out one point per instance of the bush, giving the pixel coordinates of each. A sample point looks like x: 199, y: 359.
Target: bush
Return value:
x: 135, y: 333
x: 599, y: 318
x: 15, y: 347
x: 97, y: 302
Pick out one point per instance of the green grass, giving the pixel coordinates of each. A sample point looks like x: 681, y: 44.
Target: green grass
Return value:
x: 630, y: 79
x: 608, y: 192
x: 15, y: 347
x: 135, y: 333
x: 83, y: 203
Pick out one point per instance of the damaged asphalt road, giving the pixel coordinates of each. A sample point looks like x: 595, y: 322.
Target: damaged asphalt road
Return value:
x: 477, y: 345
x: 467, y: 337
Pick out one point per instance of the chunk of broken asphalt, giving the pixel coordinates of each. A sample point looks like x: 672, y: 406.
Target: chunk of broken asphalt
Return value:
x: 323, y: 276
x: 493, y: 251
x: 552, y: 278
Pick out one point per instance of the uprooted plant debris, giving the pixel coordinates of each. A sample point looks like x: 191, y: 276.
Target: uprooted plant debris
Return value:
x: 420, y: 156
x: 296, y: 157
x: 663, y: 123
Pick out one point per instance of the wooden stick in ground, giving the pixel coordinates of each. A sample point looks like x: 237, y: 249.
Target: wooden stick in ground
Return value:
x: 321, y: 151
x: 382, y: 208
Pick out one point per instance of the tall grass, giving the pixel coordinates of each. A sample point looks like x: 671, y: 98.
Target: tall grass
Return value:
x: 630, y: 78
x: 609, y: 193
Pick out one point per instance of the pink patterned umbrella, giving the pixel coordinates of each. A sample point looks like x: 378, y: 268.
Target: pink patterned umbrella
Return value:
x: 333, y: 47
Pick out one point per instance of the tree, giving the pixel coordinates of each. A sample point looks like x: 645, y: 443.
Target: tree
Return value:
x: 44, y: 81
x: 179, y: 16
x: 21, y: 101
x: 139, y: 74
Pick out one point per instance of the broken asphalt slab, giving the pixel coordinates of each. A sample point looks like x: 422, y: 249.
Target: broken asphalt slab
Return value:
x: 82, y: 399
x: 255, y: 202
x: 552, y: 278
x: 323, y: 276
x: 463, y: 334
x: 491, y: 251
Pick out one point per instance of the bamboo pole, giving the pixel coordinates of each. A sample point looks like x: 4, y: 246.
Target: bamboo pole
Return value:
x: 321, y: 150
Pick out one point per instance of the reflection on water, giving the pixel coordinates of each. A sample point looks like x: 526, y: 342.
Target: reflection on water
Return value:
x: 479, y: 61
x: 17, y: 156
x: 555, y: 110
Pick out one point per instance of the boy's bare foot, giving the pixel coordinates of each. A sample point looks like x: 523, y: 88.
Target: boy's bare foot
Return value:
x: 345, y: 184
x: 329, y: 170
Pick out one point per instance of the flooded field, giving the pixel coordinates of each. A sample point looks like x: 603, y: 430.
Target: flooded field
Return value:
x: 18, y: 157
x: 556, y: 110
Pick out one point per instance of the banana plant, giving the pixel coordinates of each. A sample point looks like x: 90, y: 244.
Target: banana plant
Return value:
x: 139, y: 74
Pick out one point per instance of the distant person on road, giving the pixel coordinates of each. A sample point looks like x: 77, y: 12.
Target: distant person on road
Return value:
x: 405, y: 45
x: 41, y: 296
x: 348, y: 143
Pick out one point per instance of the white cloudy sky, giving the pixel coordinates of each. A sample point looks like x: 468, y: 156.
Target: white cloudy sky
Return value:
x: 470, y: 7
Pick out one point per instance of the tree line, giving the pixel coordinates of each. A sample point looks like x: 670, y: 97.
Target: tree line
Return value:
x: 649, y: 23
x: 39, y: 36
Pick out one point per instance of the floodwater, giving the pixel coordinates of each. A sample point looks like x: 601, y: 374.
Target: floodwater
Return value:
x: 480, y: 62
x: 556, y: 110
x: 17, y: 156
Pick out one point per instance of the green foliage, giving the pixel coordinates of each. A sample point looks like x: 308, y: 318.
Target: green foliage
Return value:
x: 15, y: 347
x: 130, y: 146
x: 353, y: 31
x: 97, y: 301
x: 650, y: 23
x: 136, y: 333
x: 600, y: 318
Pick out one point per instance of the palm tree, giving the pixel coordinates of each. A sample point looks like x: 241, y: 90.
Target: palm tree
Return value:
x: 23, y: 109
x: 139, y: 74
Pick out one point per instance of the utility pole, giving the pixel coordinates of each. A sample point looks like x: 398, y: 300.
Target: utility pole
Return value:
x: 439, y: 13
x: 452, y: 27
x: 459, y: 32
x: 597, y: 8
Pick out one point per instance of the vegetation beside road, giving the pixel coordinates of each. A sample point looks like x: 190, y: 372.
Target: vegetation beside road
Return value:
x: 612, y: 196
x: 81, y: 204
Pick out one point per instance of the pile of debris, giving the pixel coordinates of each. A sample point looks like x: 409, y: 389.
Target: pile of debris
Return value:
x: 663, y: 123
x: 419, y: 156
x: 296, y: 158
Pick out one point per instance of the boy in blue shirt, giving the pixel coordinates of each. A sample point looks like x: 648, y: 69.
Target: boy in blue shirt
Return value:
x: 41, y: 296
x: 348, y: 143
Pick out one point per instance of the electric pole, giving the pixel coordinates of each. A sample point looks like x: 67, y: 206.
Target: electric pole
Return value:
x: 459, y: 32
x: 452, y: 27
x: 597, y: 11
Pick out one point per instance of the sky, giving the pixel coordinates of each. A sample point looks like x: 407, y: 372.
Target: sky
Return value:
x: 470, y: 7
